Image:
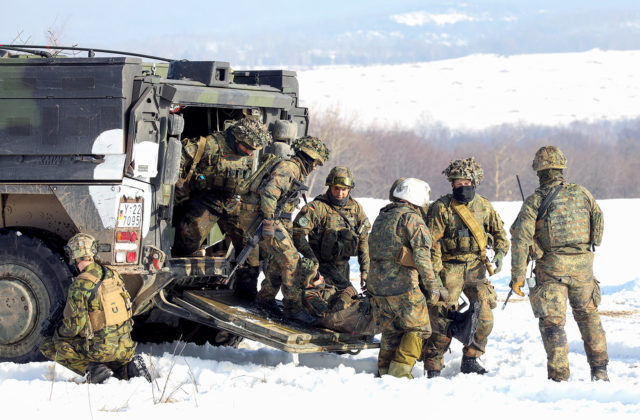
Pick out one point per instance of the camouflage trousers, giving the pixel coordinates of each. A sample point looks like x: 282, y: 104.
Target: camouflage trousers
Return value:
x: 549, y: 304
x: 336, y: 273
x: 457, y: 278
x: 200, y: 214
x: 404, y: 323
x: 75, y: 353
x: 283, y: 262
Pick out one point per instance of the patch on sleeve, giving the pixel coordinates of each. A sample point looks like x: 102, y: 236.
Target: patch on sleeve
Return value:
x: 303, y: 221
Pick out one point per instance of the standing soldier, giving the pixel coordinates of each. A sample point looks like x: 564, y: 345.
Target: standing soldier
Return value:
x: 463, y: 225
x: 564, y: 221
x: 95, y: 335
x: 400, y: 246
x: 212, y: 182
x: 276, y: 240
x: 337, y: 227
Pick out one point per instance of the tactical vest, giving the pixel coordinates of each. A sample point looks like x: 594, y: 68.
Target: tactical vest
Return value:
x: 337, y: 240
x: 457, y: 238
x: 212, y: 165
x: 389, y: 237
x: 567, y: 220
x: 114, y: 300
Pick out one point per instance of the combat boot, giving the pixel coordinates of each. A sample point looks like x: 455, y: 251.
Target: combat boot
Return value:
x: 433, y: 373
x: 400, y: 370
x: 268, y: 305
x: 302, y: 316
x: 97, y: 373
x: 136, y: 367
x: 471, y: 365
x: 599, y: 373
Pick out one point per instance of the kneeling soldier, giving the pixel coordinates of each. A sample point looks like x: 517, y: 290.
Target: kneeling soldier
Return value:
x: 95, y: 334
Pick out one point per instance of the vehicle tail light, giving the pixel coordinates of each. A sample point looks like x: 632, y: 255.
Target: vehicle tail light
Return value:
x: 132, y: 257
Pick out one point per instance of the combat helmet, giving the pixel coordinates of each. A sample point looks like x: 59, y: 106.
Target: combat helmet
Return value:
x: 312, y: 147
x: 81, y: 245
x: 393, y: 187
x: 412, y: 190
x: 340, y: 176
x: 549, y: 157
x: 464, y: 169
x: 307, y: 271
x: 251, y: 133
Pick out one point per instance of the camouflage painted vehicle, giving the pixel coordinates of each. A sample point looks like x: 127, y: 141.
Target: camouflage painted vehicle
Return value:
x: 93, y: 145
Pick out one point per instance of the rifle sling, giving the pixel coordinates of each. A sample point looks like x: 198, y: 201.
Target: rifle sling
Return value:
x: 476, y: 230
x: 196, y: 158
x: 341, y: 213
x: 544, y: 206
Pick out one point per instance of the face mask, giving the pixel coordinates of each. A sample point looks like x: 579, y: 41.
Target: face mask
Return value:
x: 464, y: 194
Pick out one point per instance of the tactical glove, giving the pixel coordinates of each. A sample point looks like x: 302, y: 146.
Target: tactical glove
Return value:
x: 350, y: 291
x: 268, y: 228
x: 497, y: 260
x: 443, y: 294
x: 515, y: 285
x: 363, y: 281
x: 433, y: 295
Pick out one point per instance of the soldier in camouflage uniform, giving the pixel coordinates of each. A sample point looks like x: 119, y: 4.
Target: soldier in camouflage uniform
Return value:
x: 559, y: 226
x: 213, y: 174
x: 400, y: 250
x: 276, y: 233
x: 95, y: 335
x: 460, y: 261
x: 337, y: 227
x: 340, y: 310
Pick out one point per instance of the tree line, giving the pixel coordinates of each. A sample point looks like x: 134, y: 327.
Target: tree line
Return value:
x: 603, y: 156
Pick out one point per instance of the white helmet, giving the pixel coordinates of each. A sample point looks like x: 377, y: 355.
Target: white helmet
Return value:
x: 413, y: 190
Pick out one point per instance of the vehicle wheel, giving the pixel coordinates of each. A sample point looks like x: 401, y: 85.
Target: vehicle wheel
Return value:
x: 32, y: 278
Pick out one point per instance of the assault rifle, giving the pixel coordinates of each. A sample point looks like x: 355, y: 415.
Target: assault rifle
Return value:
x: 50, y: 323
x: 297, y: 187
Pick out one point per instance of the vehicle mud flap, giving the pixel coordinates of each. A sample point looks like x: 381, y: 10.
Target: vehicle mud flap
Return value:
x: 464, y: 324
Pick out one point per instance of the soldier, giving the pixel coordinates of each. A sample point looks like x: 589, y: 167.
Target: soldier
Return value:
x: 276, y: 237
x: 564, y: 222
x: 400, y: 246
x: 214, y: 171
x: 95, y: 335
x: 337, y: 227
x: 463, y: 225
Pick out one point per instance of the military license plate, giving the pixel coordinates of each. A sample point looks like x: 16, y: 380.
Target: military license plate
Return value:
x: 130, y: 215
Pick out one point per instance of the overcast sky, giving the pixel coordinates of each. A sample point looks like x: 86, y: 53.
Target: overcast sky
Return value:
x: 285, y: 32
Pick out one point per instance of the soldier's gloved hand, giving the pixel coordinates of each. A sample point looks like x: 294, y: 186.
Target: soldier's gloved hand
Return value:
x: 433, y: 295
x: 497, y: 260
x: 268, y: 228
x: 515, y: 285
x: 350, y: 291
x: 363, y: 281
x: 444, y: 294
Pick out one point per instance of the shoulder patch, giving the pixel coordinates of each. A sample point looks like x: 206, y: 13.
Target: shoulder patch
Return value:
x: 303, y: 221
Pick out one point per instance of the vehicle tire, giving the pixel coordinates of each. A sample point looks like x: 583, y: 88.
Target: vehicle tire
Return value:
x: 33, y: 278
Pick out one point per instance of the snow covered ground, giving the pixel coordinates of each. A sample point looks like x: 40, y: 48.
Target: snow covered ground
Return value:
x: 254, y: 381
x: 481, y: 91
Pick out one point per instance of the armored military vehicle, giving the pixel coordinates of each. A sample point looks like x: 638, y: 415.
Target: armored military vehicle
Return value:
x: 93, y: 144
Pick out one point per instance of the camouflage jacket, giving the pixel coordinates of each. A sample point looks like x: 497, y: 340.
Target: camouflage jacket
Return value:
x: 79, y: 306
x: 279, y: 183
x: 399, y: 225
x: 320, y: 216
x: 324, y: 299
x: 452, y: 240
x: 221, y: 167
x: 573, y: 223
